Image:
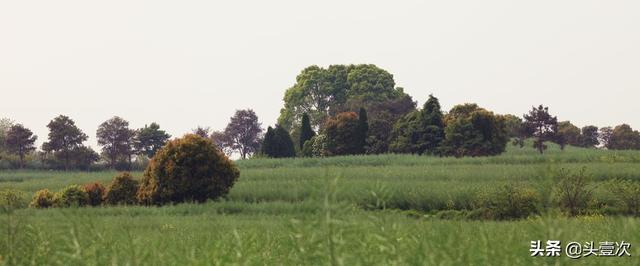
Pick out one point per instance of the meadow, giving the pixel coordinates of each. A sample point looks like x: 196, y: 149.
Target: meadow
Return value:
x: 355, y: 210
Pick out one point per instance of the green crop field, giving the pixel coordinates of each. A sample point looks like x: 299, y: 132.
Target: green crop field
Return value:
x: 358, y: 210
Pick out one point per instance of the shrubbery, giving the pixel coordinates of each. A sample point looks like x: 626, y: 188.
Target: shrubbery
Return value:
x: 42, y: 199
x: 122, y: 190
x: 190, y: 168
x: 71, y: 196
x: 507, y: 203
x: 627, y: 194
x: 571, y: 192
x: 96, y: 193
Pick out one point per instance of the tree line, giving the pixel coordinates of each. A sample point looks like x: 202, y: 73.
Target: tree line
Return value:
x: 339, y: 110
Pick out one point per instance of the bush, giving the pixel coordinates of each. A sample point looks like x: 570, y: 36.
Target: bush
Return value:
x: 71, y: 196
x: 11, y: 200
x: 571, y: 192
x: 96, y: 193
x: 42, y: 199
x: 186, y: 169
x: 506, y: 203
x: 627, y: 194
x: 122, y: 190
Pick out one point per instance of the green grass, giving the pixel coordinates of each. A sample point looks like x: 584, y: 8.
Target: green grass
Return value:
x: 321, y: 211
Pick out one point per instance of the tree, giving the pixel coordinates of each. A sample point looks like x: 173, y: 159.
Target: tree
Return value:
x: 542, y: 126
x: 342, y: 134
x: 5, y: 125
x: 623, y: 137
x: 277, y: 143
x: 362, y: 131
x: 604, y: 136
x: 306, y: 132
x: 221, y: 141
x: 202, y: 131
x: 64, y: 137
x: 568, y: 134
x: 150, y: 139
x: 589, y: 137
x: 244, y: 132
x: 116, y: 139
x: 20, y: 141
x: 420, y: 131
x: 474, y: 131
x: 513, y: 125
x: 321, y: 92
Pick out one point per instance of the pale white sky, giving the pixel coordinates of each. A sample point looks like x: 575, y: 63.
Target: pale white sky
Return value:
x: 189, y: 63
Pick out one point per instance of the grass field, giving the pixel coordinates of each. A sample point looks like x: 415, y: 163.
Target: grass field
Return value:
x: 360, y: 210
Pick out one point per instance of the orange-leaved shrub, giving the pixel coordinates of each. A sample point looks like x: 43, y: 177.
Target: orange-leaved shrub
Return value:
x: 190, y: 168
x: 42, y: 199
x: 71, y: 196
x: 95, y: 191
x: 122, y: 190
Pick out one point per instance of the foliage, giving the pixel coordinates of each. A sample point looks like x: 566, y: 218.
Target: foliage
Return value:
x: 277, y: 143
x: 149, y: 139
x: 319, y: 146
x: 572, y: 192
x: 117, y: 140
x: 244, y: 133
x: 604, y: 136
x: 362, y: 131
x: 71, y: 196
x: 11, y: 200
x: 64, y: 137
x: 627, y: 193
x: 541, y: 125
x: 321, y: 92
x: 5, y: 125
x: 42, y: 199
x: 122, y: 190
x: 508, y: 202
x: 187, y: 169
x: 589, y: 137
x: 201, y: 131
x: 568, y: 134
x: 623, y: 137
x: 420, y: 131
x: 20, y: 141
x: 473, y: 131
x: 342, y: 134
x: 96, y: 192
x: 513, y: 125
x: 306, y: 132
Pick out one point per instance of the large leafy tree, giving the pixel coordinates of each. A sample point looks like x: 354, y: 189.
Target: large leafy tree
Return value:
x: 542, y: 126
x: 306, y: 132
x: 277, y: 143
x: 474, y: 131
x: 342, y: 134
x: 589, y: 137
x: 64, y: 138
x: 244, y: 133
x: 623, y: 137
x: 20, y: 140
x: 116, y: 139
x: 568, y: 133
x: 420, y: 131
x: 321, y: 92
x: 150, y: 139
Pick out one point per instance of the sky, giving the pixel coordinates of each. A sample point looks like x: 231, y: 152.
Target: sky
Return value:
x: 185, y: 64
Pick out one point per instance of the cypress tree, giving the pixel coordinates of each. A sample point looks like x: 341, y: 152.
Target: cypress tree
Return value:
x: 277, y: 143
x: 432, y: 127
x: 306, y: 132
x: 267, y: 143
x: 362, y: 131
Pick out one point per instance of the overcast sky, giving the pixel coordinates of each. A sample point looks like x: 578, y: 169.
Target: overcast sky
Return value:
x: 189, y: 63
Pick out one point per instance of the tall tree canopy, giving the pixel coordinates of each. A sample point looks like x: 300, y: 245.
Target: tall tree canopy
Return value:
x: 20, y: 140
x: 64, y: 137
x: 541, y: 125
x: 568, y: 134
x: 589, y: 137
x: 116, y: 139
x: 420, y: 131
x: 150, y: 139
x: 323, y: 92
x: 244, y: 132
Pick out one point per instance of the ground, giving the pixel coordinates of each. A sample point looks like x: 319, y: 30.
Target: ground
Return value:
x: 358, y: 210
